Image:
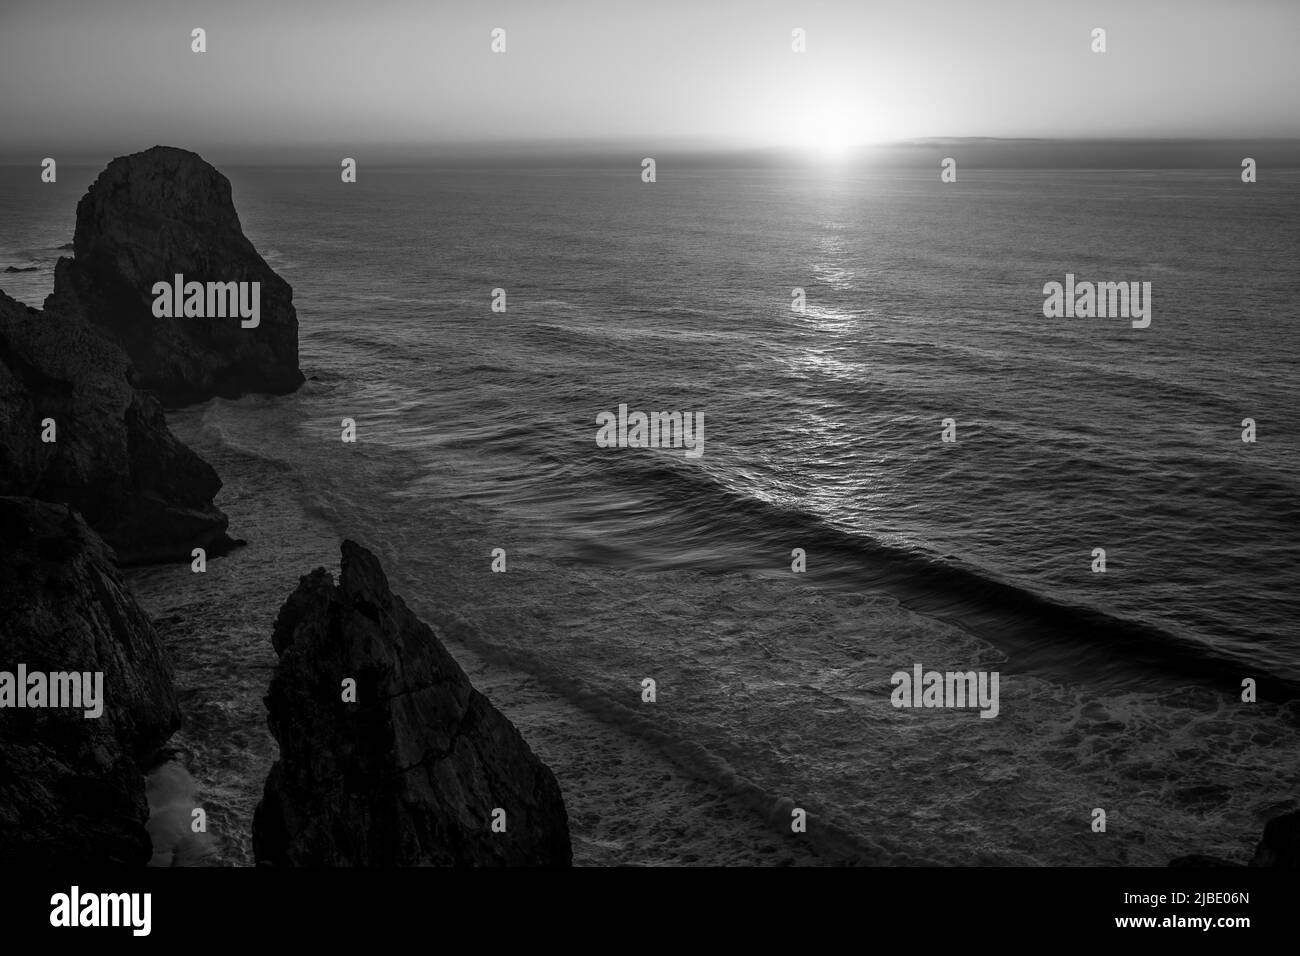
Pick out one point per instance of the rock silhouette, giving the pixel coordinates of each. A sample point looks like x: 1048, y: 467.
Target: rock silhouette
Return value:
x: 1278, y: 846
x: 72, y: 789
x: 411, y: 773
x: 113, y: 457
x: 148, y: 217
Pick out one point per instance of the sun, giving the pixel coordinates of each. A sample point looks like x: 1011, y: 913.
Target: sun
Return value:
x: 835, y: 132
x: 830, y: 135
x: 832, y: 144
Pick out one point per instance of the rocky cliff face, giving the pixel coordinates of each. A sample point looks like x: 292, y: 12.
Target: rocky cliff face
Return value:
x: 148, y: 217
x: 77, y: 434
x: 1280, y: 844
x: 113, y: 457
x: 72, y: 789
x: 411, y: 773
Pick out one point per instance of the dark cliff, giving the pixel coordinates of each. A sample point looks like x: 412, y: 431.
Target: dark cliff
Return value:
x: 113, y: 457
x: 1279, y: 846
x: 72, y: 788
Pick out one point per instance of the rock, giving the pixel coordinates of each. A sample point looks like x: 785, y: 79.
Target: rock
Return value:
x: 148, y: 217
x: 114, y: 458
x: 411, y: 773
x: 1200, y: 860
x: 72, y: 789
x: 1280, y: 845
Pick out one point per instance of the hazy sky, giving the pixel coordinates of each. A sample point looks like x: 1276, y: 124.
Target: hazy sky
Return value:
x: 90, y: 77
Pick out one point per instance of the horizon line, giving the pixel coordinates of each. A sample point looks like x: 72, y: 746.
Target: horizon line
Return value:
x: 582, y: 148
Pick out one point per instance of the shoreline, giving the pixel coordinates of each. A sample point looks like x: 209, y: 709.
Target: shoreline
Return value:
x: 217, y: 629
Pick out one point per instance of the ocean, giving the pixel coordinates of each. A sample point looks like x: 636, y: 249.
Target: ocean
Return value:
x: 923, y: 302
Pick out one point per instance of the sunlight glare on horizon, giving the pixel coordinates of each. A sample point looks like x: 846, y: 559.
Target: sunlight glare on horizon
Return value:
x: 833, y: 131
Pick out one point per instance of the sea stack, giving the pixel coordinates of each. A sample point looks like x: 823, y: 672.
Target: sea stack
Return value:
x: 153, y: 216
x: 413, y: 768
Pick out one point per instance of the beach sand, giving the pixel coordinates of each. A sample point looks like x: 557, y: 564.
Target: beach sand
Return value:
x: 628, y: 803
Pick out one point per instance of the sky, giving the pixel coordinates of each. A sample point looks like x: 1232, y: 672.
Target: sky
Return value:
x: 87, y: 78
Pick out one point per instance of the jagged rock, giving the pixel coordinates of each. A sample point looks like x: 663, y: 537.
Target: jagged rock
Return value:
x: 1280, y: 846
x: 72, y: 789
x: 114, y: 458
x: 148, y: 217
x: 1281, y: 843
x: 411, y: 773
x: 1200, y: 860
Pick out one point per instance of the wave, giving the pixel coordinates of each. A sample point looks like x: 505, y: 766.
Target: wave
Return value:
x: 831, y: 834
x: 1045, y: 629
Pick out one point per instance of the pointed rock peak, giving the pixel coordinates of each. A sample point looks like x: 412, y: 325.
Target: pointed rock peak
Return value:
x: 362, y: 578
x: 388, y: 755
